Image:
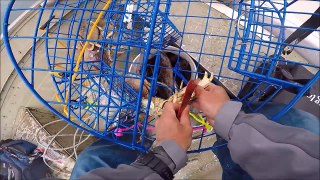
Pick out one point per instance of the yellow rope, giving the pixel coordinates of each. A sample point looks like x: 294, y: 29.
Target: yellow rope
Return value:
x: 76, y: 69
x: 79, y: 58
x: 59, y: 42
x: 202, y: 121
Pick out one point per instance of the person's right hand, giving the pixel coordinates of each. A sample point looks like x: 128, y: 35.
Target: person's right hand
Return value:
x: 169, y: 127
x: 210, y: 100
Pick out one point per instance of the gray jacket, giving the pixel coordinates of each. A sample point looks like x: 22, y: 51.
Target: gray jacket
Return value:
x: 265, y: 149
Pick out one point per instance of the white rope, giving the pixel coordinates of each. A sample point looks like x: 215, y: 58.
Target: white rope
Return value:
x: 49, y: 147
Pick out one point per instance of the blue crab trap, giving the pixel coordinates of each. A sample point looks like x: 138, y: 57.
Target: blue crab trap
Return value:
x: 107, y: 66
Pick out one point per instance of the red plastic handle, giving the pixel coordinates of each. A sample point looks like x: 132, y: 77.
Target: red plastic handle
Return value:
x: 187, y: 96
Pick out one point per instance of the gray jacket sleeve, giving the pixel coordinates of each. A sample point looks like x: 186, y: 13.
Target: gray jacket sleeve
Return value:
x: 265, y: 149
x: 174, y: 157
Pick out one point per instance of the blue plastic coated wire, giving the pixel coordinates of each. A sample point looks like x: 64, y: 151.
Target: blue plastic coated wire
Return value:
x: 124, y: 70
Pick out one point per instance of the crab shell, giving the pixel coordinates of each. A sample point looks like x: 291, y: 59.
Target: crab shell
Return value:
x: 165, y: 75
x: 95, y: 36
x: 177, y: 97
x: 85, y: 29
x: 95, y: 55
x: 135, y: 84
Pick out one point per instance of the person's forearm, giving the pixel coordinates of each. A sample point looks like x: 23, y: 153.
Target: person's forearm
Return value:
x: 174, y: 157
x: 268, y: 150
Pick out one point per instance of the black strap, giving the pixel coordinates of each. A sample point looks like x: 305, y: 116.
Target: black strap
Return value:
x: 282, y: 71
x: 302, y: 32
x: 286, y: 75
x: 156, y: 164
x: 21, y: 147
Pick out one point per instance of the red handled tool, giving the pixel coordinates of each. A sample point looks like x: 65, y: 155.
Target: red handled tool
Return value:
x: 191, y: 86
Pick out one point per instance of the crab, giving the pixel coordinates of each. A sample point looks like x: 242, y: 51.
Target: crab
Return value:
x: 158, y: 103
x: 95, y: 55
x: 95, y: 36
x: 94, y: 49
x: 135, y: 84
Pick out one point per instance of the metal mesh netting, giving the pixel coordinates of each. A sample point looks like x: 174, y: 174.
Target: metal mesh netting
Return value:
x: 108, y: 66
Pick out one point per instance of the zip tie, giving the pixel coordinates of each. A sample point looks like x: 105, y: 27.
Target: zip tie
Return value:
x: 201, y: 120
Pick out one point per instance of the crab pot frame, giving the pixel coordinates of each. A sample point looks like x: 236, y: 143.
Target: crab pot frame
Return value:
x: 85, y: 74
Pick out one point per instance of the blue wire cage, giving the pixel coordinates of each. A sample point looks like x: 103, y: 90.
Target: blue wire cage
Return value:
x: 107, y: 64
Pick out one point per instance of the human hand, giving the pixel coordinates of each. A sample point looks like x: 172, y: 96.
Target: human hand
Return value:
x: 169, y: 127
x: 210, y: 100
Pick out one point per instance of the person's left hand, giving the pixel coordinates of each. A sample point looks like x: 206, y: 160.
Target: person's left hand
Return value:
x: 169, y: 127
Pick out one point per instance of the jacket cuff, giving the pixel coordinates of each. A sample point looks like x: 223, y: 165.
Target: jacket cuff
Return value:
x: 175, y: 157
x: 225, y: 118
